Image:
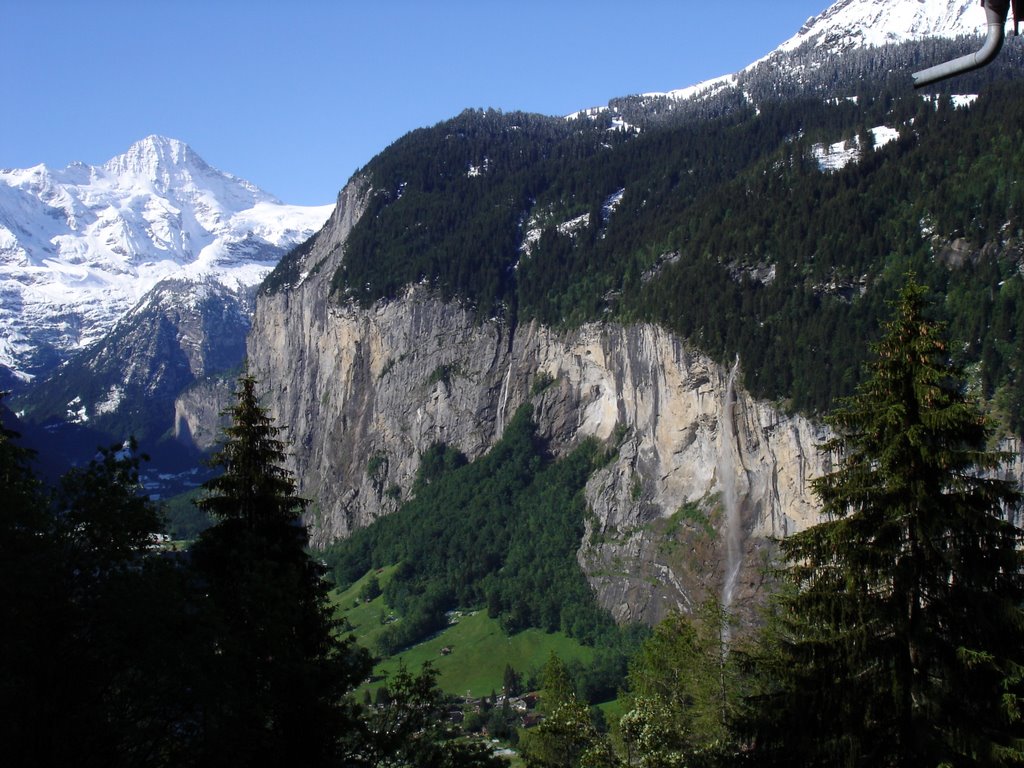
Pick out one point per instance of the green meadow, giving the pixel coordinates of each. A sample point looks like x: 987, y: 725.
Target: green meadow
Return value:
x: 477, y: 648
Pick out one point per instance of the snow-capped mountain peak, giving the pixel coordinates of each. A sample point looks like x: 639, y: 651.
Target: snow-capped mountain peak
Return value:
x: 81, y: 245
x: 171, y: 165
x: 152, y: 157
x: 850, y: 24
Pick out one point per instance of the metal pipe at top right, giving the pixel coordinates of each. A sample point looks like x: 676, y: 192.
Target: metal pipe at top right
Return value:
x: 996, y: 12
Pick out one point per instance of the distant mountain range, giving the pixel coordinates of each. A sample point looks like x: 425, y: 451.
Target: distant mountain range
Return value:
x: 80, y: 246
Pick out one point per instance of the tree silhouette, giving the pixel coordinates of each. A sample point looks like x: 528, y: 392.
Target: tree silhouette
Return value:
x: 278, y: 673
x: 254, y: 488
x: 901, y: 639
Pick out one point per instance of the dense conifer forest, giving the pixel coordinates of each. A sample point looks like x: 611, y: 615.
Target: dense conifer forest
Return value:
x: 896, y: 633
x: 725, y: 229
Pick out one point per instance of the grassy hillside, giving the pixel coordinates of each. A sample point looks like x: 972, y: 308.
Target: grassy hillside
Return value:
x: 480, y: 650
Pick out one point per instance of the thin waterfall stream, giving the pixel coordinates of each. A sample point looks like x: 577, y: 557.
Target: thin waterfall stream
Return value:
x: 728, y: 459
x: 503, y: 401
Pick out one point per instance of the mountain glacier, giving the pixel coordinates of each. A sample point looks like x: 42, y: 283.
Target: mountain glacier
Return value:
x: 80, y: 246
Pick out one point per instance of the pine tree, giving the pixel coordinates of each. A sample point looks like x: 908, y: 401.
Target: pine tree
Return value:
x: 278, y: 673
x: 566, y: 738
x: 901, y: 637
x: 32, y: 603
x: 254, y: 488
x: 409, y: 727
x: 94, y: 630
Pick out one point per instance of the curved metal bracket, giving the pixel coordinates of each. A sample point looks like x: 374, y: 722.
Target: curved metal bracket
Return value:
x: 996, y: 11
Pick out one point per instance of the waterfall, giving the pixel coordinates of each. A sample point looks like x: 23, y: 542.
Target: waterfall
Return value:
x: 728, y: 459
x: 499, y: 426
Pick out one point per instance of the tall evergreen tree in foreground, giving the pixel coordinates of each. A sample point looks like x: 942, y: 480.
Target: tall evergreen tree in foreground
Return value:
x: 279, y: 672
x: 900, y: 640
x: 255, y: 490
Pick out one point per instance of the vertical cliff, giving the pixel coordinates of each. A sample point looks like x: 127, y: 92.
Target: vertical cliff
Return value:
x: 362, y: 393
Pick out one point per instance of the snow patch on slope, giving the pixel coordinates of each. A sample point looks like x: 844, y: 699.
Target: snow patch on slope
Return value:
x: 835, y: 157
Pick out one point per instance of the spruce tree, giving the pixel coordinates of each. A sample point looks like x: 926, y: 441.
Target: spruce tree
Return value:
x: 566, y: 737
x: 254, y: 487
x: 95, y: 633
x: 900, y: 637
x: 278, y: 672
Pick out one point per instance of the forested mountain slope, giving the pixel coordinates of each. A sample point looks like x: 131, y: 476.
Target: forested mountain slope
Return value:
x: 734, y: 231
x: 610, y: 269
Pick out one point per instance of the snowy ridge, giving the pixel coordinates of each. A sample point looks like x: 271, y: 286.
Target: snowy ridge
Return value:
x: 850, y: 24
x: 81, y: 245
x: 872, y: 23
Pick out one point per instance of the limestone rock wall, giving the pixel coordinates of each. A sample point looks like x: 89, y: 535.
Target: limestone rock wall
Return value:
x: 362, y: 393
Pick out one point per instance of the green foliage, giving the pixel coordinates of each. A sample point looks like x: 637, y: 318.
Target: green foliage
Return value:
x: 541, y: 381
x: 431, y: 219
x: 502, y: 531
x: 104, y: 519
x: 444, y: 374
x: 685, y: 686
x: 408, y: 728
x: 436, y: 461
x: 899, y: 641
x: 566, y: 737
x: 370, y: 590
x: 692, y: 514
x: 254, y: 487
x: 276, y: 670
x: 479, y: 652
x: 94, y: 637
x: 512, y: 683
x: 378, y: 462
x: 184, y: 520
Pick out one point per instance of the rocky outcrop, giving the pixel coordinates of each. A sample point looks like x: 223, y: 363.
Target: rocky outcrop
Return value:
x: 363, y: 392
x: 199, y: 412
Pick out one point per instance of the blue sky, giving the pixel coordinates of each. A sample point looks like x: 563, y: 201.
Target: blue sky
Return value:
x: 295, y: 95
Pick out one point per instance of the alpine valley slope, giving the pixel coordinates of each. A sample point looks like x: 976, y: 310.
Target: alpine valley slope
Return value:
x: 390, y: 381
x: 359, y: 369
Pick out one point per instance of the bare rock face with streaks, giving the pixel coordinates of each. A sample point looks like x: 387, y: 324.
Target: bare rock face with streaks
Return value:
x: 364, y: 392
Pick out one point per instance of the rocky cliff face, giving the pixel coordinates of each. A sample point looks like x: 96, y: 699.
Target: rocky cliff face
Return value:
x: 362, y: 393
x: 199, y: 418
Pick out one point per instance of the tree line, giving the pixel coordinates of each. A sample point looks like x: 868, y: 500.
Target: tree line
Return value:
x: 894, y: 637
x: 118, y: 651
